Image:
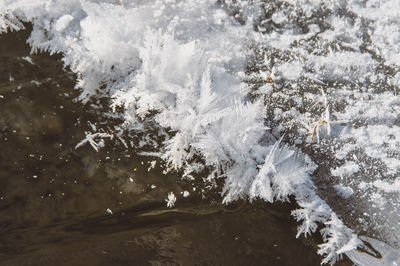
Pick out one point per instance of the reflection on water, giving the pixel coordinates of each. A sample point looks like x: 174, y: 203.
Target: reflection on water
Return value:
x: 54, y: 199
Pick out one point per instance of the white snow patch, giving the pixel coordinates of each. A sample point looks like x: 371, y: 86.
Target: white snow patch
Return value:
x: 347, y: 169
x: 389, y: 187
x: 291, y: 71
x: 62, y: 23
x: 344, y: 191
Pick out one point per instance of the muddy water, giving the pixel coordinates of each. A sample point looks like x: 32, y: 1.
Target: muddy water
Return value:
x: 54, y: 198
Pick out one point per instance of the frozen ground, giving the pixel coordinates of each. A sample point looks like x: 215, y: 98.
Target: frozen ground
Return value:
x: 275, y: 98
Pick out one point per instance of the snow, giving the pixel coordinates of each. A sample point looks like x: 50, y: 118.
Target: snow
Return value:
x: 262, y: 99
x: 291, y: 71
x: 348, y: 168
x: 62, y: 23
x: 345, y: 192
x: 388, y: 187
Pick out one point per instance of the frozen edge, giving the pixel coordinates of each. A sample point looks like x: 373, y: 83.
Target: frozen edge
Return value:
x: 313, y: 208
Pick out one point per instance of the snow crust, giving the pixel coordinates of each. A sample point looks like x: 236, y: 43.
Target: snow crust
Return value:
x: 277, y: 98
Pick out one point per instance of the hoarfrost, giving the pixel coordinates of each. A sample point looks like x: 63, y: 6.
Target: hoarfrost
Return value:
x: 171, y: 200
x: 222, y: 90
x: 90, y: 138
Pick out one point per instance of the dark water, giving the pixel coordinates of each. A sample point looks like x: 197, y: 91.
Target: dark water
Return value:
x: 54, y: 197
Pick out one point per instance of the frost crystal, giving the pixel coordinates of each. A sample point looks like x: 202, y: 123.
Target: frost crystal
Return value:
x: 171, y: 200
x: 222, y: 90
x: 90, y: 138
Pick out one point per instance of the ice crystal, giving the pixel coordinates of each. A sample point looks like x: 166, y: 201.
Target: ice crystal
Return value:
x: 171, y: 200
x: 222, y: 83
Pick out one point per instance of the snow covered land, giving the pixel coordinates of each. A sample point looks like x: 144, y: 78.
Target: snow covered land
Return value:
x: 278, y: 99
